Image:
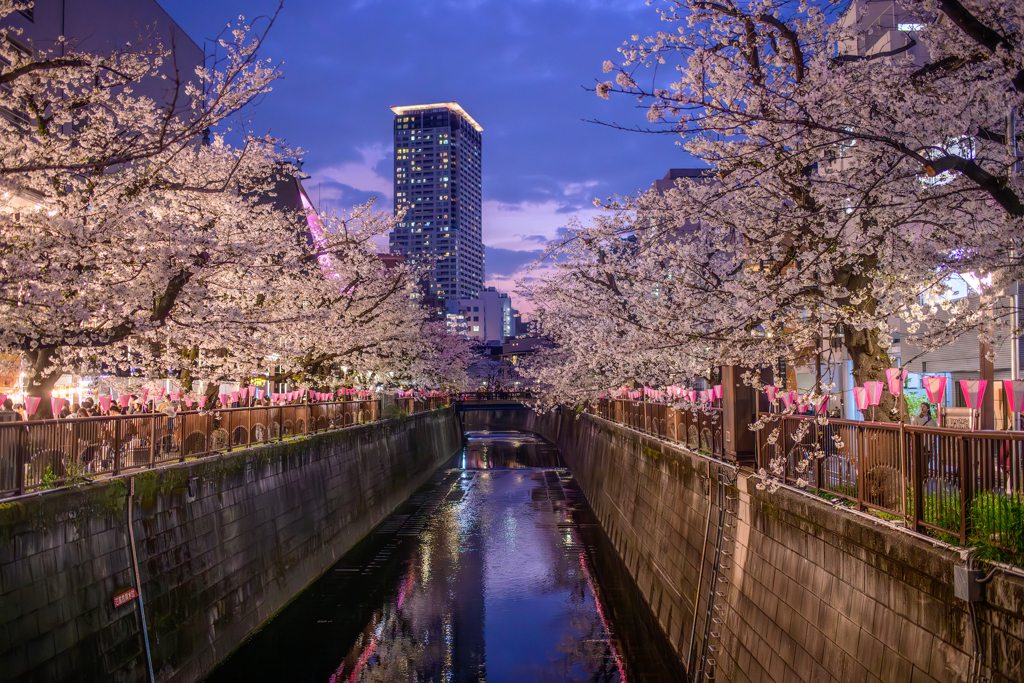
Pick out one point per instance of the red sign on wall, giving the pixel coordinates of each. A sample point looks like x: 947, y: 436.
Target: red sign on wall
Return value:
x: 127, y: 596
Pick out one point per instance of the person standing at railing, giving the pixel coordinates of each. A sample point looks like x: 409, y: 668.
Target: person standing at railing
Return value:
x: 924, y: 417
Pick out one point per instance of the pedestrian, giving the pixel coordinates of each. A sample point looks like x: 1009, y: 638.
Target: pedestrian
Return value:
x: 924, y: 416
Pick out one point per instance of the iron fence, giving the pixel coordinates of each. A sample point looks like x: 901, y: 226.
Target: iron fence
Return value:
x: 962, y: 486
x: 700, y: 430
x: 50, y: 453
x: 421, y: 403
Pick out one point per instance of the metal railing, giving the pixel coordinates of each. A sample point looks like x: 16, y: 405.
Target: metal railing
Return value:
x: 49, y: 453
x: 421, y: 403
x: 962, y: 486
x: 700, y: 430
x: 493, y: 396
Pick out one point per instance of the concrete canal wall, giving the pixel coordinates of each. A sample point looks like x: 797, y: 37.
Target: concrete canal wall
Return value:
x: 811, y: 593
x: 222, y: 543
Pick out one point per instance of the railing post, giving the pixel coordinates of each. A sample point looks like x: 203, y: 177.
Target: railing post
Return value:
x: 117, y: 446
x: 74, y: 443
x: 152, y: 439
x: 248, y: 426
x: 179, y: 419
x: 918, y: 482
x: 21, y: 443
x: 862, y: 444
x: 965, y: 484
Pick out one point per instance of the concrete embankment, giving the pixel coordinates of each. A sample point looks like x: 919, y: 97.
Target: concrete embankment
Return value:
x: 222, y: 545
x: 802, y: 591
x: 805, y: 592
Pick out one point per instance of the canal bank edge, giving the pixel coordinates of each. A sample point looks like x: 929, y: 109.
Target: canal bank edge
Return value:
x: 223, y: 544
x: 809, y: 593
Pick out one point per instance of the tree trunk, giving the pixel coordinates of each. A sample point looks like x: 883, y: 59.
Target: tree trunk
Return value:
x: 870, y: 361
x: 40, y: 385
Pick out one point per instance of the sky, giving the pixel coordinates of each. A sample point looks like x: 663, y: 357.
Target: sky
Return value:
x: 519, y: 67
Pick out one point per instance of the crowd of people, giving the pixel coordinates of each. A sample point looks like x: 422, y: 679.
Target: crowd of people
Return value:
x: 138, y: 405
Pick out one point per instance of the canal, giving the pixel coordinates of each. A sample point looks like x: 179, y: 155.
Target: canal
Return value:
x: 495, y: 570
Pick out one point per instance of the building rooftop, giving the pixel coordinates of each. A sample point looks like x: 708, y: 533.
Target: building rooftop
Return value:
x: 454, y: 106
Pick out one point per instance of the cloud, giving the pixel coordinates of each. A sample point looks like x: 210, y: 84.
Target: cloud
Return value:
x: 339, y: 196
x: 508, y: 261
x: 521, y: 226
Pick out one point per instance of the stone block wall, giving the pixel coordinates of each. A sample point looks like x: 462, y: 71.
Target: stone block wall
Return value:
x: 223, y: 543
x: 807, y: 592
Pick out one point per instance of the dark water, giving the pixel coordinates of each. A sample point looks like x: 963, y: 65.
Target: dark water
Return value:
x: 496, y: 570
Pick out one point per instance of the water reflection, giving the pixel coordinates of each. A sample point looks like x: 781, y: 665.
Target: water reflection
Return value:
x: 494, y: 571
x: 501, y: 450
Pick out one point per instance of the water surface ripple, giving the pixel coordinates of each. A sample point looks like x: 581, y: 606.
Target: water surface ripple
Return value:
x: 496, y: 570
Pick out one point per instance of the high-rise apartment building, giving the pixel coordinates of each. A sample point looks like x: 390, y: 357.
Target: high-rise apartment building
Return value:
x: 437, y: 184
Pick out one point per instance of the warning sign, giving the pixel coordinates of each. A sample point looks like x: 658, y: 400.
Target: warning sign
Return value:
x: 127, y: 596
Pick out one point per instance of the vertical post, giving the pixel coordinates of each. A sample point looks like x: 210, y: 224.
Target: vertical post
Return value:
x: 903, y: 468
x: 988, y: 413
x: 152, y: 439
x: 965, y: 484
x: 74, y: 442
x: 862, y: 444
x: 918, y: 485
x: 117, y: 445
x: 248, y: 426
x: 21, y: 441
x: 739, y: 409
x: 179, y: 419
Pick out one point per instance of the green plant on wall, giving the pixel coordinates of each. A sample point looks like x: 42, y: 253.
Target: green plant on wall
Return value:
x: 49, y: 479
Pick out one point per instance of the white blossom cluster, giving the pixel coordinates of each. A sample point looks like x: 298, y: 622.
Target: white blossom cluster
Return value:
x: 843, y: 191
x: 128, y: 244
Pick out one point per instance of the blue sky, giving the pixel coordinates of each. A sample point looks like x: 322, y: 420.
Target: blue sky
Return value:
x: 518, y: 67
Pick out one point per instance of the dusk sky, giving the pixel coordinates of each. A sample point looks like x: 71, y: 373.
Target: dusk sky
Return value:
x: 518, y: 67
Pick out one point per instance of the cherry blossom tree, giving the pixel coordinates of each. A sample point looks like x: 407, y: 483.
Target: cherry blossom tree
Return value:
x: 844, y: 189
x: 134, y: 242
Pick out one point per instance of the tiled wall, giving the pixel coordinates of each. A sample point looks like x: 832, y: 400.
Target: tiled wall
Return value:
x: 223, y: 543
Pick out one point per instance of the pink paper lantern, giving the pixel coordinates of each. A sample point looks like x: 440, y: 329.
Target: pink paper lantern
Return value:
x: 55, y: 405
x: 1014, y: 394
x: 3, y: 397
x: 895, y: 377
x: 789, y: 399
x: 935, y: 387
x: 874, y: 392
x: 159, y: 393
x: 188, y: 401
x: 145, y: 395
x: 860, y: 397
x: 772, y: 391
x: 974, y: 392
x: 123, y: 400
x: 821, y: 404
x: 717, y: 389
x: 175, y: 395
x: 234, y: 397
x: 202, y: 401
x: 105, y: 403
x: 31, y: 404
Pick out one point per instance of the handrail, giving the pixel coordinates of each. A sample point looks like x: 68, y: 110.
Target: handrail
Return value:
x: 961, y: 486
x: 700, y: 430
x: 41, y: 454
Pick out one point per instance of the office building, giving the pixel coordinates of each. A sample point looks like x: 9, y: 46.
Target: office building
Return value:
x: 437, y: 185
x: 485, y: 318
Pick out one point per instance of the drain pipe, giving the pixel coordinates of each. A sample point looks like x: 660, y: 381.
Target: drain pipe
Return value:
x: 700, y: 576
x: 138, y: 583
